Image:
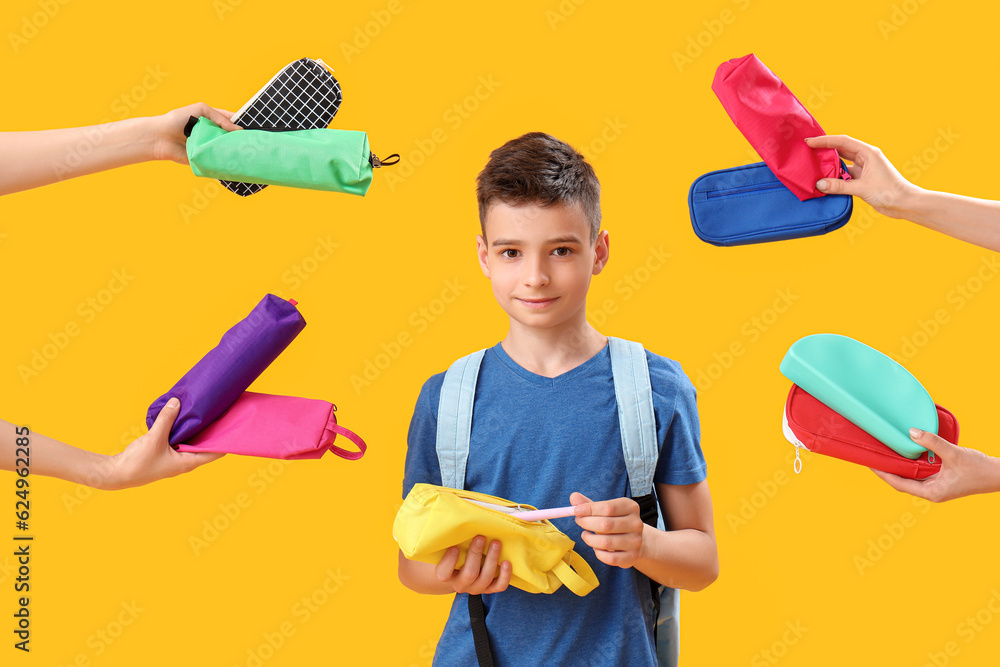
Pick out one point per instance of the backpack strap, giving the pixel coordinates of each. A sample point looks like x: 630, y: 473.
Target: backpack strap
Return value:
x: 454, y: 430
x: 454, y: 419
x: 637, y: 422
x: 635, y: 413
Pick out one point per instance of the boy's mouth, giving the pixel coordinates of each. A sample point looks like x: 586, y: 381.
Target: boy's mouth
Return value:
x: 537, y: 303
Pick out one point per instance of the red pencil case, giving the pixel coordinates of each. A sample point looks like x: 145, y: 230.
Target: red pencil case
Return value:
x: 776, y: 124
x: 810, y: 424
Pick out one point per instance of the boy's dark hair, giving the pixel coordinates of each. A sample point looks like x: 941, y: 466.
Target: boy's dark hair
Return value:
x: 537, y: 168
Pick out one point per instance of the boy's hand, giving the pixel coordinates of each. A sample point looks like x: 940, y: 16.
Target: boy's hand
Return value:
x: 477, y: 574
x: 612, y: 527
x: 964, y: 471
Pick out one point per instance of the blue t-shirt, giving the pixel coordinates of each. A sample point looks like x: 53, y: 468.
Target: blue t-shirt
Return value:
x: 535, y: 440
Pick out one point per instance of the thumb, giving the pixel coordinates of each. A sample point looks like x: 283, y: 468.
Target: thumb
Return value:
x: 577, y: 498
x: 221, y: 118
x: 836, y: 186
x: 165, y: 420
x: 941, y: 447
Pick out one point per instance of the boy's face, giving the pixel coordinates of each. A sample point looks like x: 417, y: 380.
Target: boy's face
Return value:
x: 540, y: 261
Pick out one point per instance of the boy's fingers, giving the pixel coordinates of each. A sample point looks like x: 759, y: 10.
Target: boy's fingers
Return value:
x: 502, y: 581
x: 445, y: 568
x: 616, y: 507
x: 488, y: 571
x: 473, y: 562
x: 604, y: 525
x: 577, y: 498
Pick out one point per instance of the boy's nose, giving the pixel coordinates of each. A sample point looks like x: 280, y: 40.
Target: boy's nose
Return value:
x: 535, y: 273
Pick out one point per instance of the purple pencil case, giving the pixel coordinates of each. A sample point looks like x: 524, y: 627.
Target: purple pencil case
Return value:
x: 222, y: 375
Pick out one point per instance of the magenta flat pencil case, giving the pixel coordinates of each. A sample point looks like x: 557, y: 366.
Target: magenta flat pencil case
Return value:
x: 776, y: 124
x: 277, y: 427
x: 222, y: 375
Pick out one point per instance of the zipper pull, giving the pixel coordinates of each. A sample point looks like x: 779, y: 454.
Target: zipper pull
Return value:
x: 797, y: 464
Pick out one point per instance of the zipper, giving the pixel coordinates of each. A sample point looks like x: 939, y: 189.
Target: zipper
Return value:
x: 743, y: 189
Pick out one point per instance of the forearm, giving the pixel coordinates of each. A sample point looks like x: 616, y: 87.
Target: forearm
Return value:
x: 420, y: 577
x: 52, y: 458
x: 966, y: 218
x: 678, y: 558
x: 32, y: 159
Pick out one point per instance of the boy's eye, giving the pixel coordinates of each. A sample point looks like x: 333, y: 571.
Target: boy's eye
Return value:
x: 562, y: 252
x: 509, y: 253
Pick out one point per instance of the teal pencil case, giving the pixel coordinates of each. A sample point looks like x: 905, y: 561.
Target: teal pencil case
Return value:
x: 865, y: 386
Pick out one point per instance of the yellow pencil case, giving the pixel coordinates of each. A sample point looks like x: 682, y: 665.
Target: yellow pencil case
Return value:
x: 435, y: 518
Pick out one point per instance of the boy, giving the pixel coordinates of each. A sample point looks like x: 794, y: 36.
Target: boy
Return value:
x: 546, y: 429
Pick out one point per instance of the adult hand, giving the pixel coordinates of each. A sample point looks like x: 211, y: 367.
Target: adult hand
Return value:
x: 873, y: 178
x: 169, y: 140
x: 150, y: 457
x: 964, y: 471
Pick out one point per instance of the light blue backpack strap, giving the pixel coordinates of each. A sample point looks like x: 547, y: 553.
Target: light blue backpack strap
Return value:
x: 454, y: 419
x: 635, y: 413
x: 638, y: 426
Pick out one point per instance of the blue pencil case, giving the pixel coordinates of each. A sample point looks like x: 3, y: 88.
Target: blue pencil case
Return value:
x: 749, y: 204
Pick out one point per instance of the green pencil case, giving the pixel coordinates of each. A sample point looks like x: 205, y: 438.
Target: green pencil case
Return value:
x: 319, y: 159
x: 865, y: 386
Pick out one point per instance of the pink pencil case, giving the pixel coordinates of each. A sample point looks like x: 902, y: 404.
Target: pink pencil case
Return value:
x: 776, y: 124
x: 277, y: 427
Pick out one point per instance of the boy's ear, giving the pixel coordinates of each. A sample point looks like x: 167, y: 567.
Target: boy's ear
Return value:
x: 602, y: 250
x: 483, y: 251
